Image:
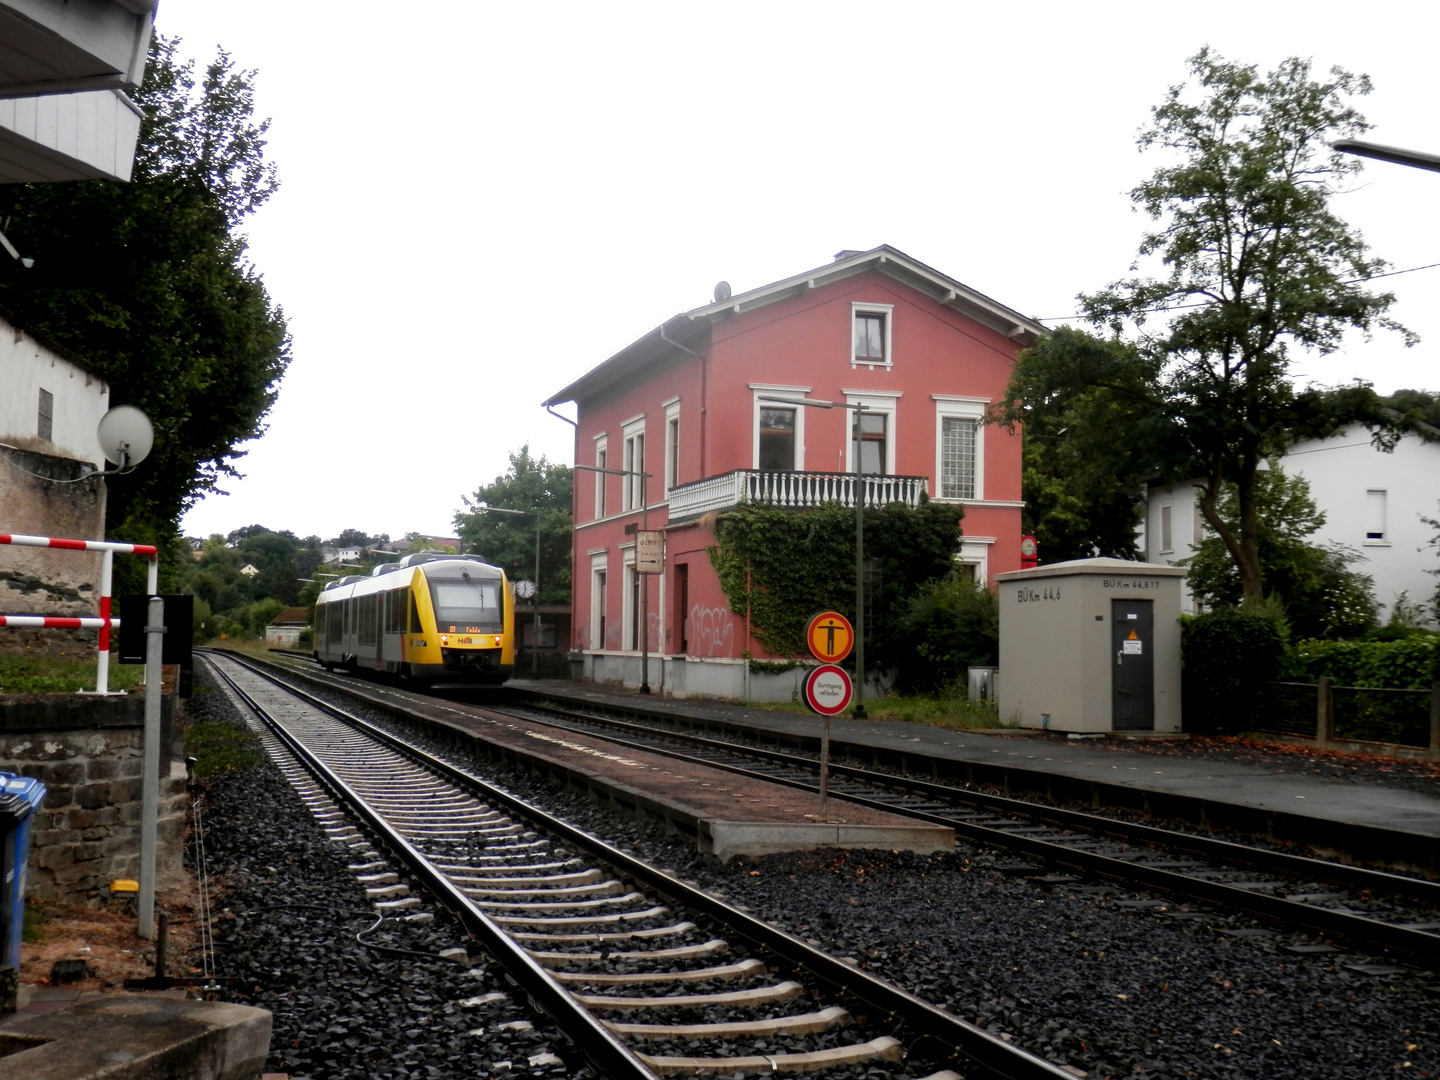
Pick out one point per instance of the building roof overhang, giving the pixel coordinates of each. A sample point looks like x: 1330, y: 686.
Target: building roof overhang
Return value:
x: 671, y: 338
x: 64, y: 70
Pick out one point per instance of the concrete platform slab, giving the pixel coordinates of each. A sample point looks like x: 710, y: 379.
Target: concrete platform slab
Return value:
x: 136, y: 1036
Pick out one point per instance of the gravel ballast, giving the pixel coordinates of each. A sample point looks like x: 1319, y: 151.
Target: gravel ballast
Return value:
x: 1083, y: 975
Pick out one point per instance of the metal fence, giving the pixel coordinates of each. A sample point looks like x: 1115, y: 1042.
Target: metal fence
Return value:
x: 1332, y: 714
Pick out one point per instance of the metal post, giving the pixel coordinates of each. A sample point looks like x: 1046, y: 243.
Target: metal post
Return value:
x: 1435, y: 720
x: 860, y: 713
x: 535, y: 600
x: 150, y: 774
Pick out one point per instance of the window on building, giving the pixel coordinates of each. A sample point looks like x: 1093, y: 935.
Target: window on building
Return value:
x: 633, y: 483
x: 777, y: 438
x: 1167, y: 542
x: 1375, y: 517
x: 601, y: 457
x: 957, y: 457
x: 45, y: 425
x: 872, y: 442
x: 672, y: 446
x: 632, y: 601
x: 597, y: 609
x: 682, y: 605
x: 871, y: 334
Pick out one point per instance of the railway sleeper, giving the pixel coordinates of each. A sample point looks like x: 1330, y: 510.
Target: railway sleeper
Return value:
x: 560, y: 905
x: 673, y: 930
x: 581, y: 920
x: 752, y: 998
x: 679, y: 952
x: 884, y: 1048
x: 800, y: 1024
x: 577, y: 878
x: 513, y: 897
x: 745, y: 969
x: 463, y: 871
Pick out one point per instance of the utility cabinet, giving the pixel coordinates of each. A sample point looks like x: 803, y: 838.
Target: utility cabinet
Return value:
x: 1091, y: 645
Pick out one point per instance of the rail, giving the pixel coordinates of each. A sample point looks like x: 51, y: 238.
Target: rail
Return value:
x: 796, y: 490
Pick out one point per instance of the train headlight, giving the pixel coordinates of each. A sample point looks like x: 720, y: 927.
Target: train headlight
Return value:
x: 499, y: 640
x: 444, y: 640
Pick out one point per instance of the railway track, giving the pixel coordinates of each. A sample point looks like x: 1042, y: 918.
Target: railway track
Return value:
x: 1367, y: 909
x: 633, y: 964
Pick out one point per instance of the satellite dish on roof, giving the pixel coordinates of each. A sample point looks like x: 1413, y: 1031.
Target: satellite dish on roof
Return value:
x: 126, y: 436
x: 722, y: 291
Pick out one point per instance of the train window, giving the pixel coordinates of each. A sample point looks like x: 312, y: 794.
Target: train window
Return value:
x: 466, y: 603
x: 335, y: 623
x: 369, y: 610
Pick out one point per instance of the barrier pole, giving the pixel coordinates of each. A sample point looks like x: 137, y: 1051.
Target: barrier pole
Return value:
x: 102, y: 666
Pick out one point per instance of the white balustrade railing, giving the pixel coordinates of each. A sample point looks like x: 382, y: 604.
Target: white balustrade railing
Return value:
x: 797, y: 490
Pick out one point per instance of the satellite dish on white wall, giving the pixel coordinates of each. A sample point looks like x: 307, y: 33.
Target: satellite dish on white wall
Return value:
x: 126, y: 436
x: 722, y: 291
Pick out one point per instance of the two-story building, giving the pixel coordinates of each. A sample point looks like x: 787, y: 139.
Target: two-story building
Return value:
x: 702, y: 406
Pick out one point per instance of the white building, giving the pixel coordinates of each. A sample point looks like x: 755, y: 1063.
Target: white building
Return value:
x: 1373, y: 503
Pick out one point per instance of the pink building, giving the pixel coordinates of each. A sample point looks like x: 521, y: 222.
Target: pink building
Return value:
x: 687, y: 404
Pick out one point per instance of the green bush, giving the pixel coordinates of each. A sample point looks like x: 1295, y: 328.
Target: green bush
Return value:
x: 951, y: 625
x: 1228, y: 655
x: 1412, y: 663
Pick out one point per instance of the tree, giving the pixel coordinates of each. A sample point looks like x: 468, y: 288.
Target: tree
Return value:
x: 1256, y: 264
x: 147, y: 284
x: 544, y: 490
x: 1322, y: 597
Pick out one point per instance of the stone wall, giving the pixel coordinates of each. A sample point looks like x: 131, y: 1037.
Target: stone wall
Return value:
x: 45, y: 495
x: 88, y: 754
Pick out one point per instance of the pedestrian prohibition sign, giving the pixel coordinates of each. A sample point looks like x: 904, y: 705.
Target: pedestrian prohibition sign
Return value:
x: 828, y: 690
x: 830, y: 637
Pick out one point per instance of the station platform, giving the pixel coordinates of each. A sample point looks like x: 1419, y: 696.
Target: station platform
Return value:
x: 1353, y: 819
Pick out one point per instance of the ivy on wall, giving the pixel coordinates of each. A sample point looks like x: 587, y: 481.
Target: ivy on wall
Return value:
x: 782, y: 566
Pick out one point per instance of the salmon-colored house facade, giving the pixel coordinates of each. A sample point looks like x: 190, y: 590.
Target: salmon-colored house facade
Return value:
x: 703, y: 405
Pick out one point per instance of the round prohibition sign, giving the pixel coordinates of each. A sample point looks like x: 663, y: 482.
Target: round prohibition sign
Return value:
x: 830, y: 637
x: 828, y: 690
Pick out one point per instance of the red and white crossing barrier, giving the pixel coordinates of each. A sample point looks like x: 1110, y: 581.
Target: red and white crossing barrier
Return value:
x: 107, y: 549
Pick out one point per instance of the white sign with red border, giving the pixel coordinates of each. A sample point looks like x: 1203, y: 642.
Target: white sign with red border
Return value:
x: 828, y: 690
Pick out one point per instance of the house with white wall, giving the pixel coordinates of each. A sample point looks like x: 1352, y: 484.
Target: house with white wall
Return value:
x: 1373, y: 503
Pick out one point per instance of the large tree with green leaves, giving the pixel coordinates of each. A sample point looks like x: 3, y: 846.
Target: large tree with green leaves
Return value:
x: 148, y: 284
x: 542, y: 490
x: 1254, y: 263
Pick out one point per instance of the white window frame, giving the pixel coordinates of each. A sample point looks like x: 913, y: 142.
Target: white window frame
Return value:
x: 858, y: 308
x: 759, y: 390
x: 875, y: 401
x: 672, y: 445
x: 1373, y: 518
x: 628, y: 615
x: 1165, y: 533
x: 633, y: 488
x: 602, y: 459
x: 975, y: 551
x: 599, y: 564
x: 954, y: 406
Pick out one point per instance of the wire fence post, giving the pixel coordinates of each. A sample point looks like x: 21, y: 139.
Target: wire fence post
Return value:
x: 1325, y: 711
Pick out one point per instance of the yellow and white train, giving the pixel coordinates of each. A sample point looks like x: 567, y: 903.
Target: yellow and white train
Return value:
x: 432, y: 617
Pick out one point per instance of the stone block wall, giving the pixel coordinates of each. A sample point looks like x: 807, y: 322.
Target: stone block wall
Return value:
x: 88, y: 754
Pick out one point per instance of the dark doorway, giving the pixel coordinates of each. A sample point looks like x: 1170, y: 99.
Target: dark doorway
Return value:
x: 682, y: 606
x: 1133, y: 678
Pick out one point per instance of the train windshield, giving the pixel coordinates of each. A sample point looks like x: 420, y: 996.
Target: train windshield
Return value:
x: 467, y: 604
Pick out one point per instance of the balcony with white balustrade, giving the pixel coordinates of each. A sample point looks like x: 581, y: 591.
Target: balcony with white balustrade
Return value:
x: 795, y: 490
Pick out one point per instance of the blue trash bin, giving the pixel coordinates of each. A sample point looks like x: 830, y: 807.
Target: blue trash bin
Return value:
x: 20, y: 797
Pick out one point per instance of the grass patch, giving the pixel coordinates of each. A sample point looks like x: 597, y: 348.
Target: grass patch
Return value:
x: 940, y: 710
x: 218, y: 748
x: 24, y: 673
x: 37, y: 914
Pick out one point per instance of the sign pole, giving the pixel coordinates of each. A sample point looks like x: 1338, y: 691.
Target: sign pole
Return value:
x: 860, y: 713
x: 150, y: 767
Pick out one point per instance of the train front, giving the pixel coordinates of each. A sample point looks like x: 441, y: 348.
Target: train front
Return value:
x: 470, y: 623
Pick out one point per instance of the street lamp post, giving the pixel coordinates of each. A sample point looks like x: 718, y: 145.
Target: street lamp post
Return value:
x: 644, y: 585
x: 535, y: 601
x: 859, y: 410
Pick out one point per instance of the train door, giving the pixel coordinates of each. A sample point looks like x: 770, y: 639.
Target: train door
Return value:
x: 1132, y: 679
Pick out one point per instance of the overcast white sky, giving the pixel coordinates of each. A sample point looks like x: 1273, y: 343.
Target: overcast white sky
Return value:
x: 480, y: 201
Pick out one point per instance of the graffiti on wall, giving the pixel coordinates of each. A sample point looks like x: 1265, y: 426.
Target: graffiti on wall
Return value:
x: 712, y: 631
